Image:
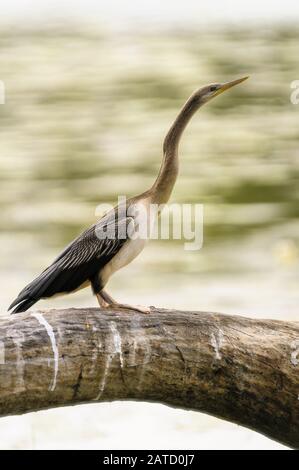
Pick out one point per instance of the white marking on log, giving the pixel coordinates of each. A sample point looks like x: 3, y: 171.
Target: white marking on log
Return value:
x: 295, y: 353
x: 104, y: 378
x: 216, y: 342
x: 117, y: 343
x: 117, y: 350
x: 51, y: 335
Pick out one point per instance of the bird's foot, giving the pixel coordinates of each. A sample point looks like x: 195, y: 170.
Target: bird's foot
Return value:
x: 106, y: 301
x: 136, y: 308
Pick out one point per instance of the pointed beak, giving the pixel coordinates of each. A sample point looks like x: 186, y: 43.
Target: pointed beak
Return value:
x: 228, y: 85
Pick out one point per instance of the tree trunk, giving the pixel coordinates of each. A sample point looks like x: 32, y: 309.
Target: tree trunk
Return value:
x: 239, y: 369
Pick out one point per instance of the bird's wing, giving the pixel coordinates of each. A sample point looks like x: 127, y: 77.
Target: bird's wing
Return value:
x: 80, y: 261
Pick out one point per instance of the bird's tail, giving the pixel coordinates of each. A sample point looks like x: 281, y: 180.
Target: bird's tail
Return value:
x: 23, y: 306
x: 34, y: 291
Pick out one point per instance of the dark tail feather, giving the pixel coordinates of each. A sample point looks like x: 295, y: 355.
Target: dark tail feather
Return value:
x: 23, y: 306
x: 53, y: 280
x: 34, y: 291
x: 21, y: 298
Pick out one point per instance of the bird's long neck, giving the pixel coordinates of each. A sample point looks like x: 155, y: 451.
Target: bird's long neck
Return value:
x: 168, y: 173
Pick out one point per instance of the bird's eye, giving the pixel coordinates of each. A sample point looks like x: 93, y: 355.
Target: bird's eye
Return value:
x: 213, y: 88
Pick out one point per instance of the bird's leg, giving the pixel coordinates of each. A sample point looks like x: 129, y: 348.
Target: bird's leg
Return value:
x: 106, y: 301
x: 101, y: 301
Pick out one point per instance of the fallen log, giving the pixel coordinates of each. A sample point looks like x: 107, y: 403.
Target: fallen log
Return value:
x: 240, y: 369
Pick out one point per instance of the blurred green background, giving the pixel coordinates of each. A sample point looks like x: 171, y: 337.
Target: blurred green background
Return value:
x: 85, y: 115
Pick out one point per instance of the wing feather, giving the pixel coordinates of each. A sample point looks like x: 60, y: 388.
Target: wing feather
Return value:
x: 80, y: 261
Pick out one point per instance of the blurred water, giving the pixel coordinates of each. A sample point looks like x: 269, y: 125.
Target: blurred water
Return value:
x: 85, y: 116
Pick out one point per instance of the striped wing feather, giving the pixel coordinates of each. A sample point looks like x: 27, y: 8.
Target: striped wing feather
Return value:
x: 79, y: 262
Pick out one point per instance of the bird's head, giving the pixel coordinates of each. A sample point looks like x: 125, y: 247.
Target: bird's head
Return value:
x: 208, y: 92
x: 196, y: 100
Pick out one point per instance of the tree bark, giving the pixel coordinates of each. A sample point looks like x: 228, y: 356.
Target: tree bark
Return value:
x: 239, y: 369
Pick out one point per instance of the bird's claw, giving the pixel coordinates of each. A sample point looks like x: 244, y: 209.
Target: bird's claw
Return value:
x: 136, y: 308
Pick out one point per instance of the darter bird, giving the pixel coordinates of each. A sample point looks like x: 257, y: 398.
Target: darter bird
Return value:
x: 91, y: 259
